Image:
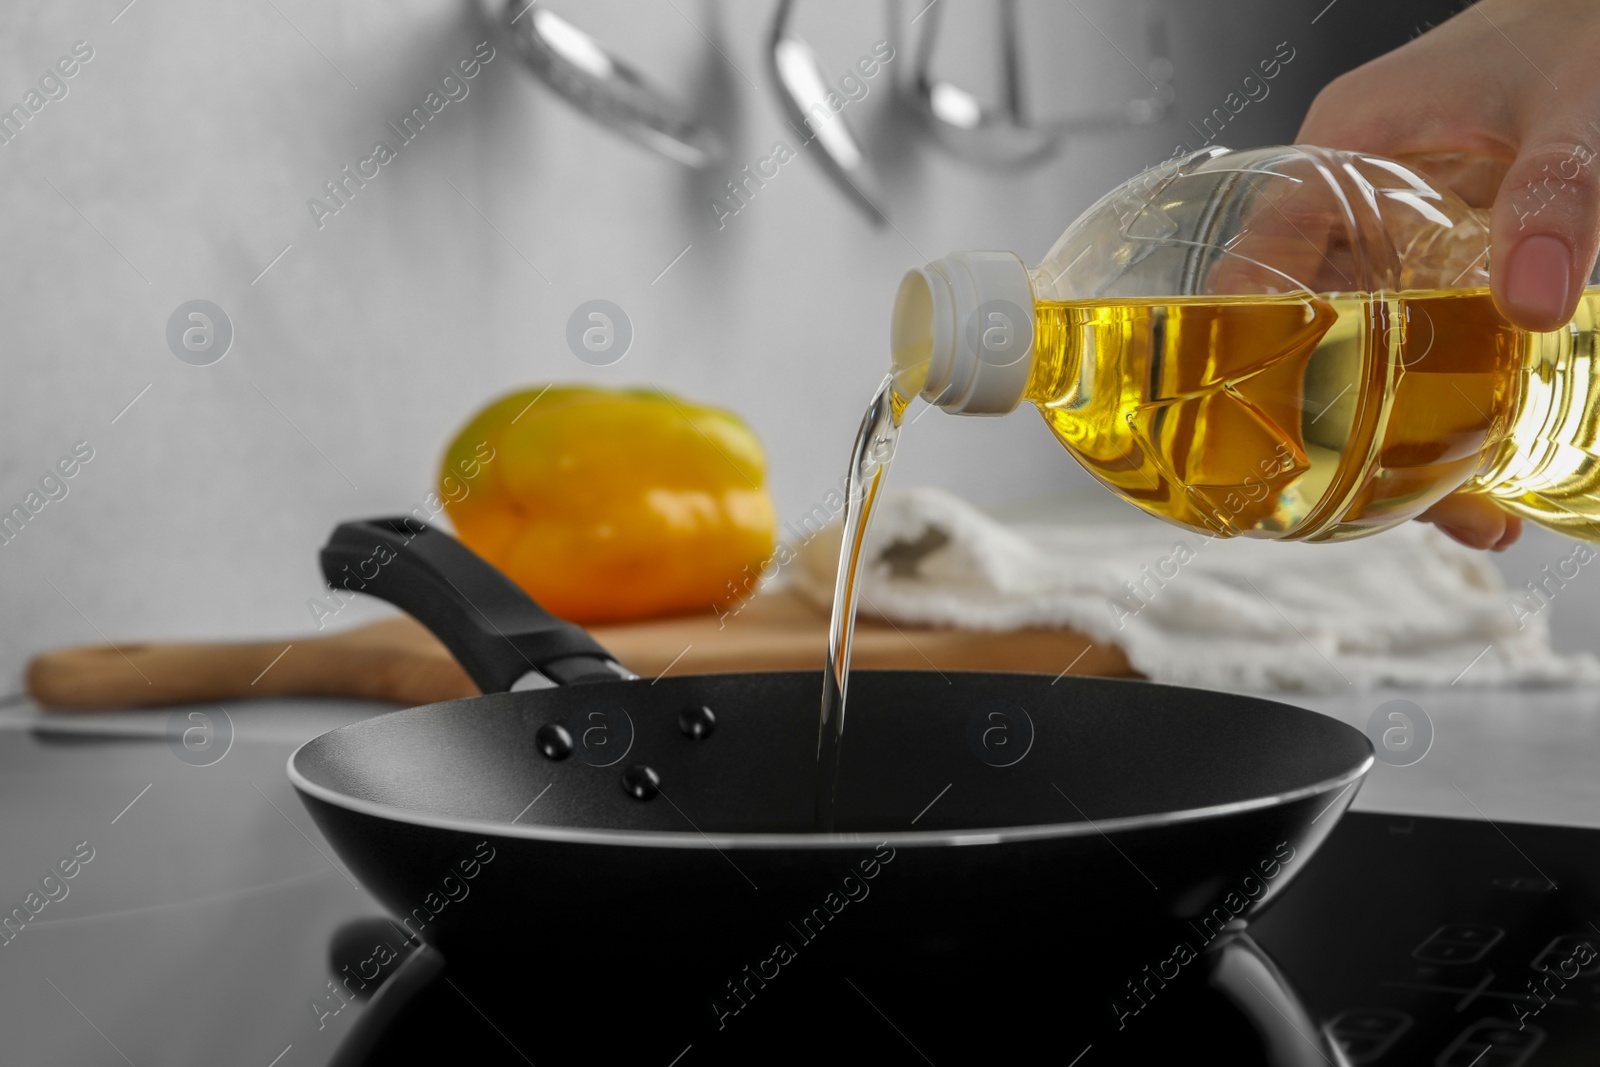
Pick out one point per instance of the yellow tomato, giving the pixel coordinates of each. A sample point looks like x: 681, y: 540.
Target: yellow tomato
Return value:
x: 607, y: 505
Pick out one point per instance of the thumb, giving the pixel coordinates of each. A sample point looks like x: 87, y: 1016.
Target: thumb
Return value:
x: 1545, y: 229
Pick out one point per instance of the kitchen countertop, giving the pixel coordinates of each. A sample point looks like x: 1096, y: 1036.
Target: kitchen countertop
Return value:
x: 1515, y: 755
x: 209, y: 897
x: 209, y: 888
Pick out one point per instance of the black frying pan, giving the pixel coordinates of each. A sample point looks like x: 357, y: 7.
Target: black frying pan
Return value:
x: 595, y: 835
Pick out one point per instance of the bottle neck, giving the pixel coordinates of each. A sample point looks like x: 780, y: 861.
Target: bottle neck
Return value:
x: 963, y: 333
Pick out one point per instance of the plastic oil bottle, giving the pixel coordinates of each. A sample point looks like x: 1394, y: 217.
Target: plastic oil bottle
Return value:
x: 1290, y: 343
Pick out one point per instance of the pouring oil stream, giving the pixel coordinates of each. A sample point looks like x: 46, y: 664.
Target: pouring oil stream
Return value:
x: 869, y: 467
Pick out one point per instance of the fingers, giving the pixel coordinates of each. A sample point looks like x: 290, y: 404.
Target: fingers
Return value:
x: 1345, y: 115
x: 1475, y: 521
x: 1546, y: 227
x: 1432, y: 95
x: 1512, y: 535
x: 1291, y: 237
x: 1473, y: 106
x: 1474, y: 178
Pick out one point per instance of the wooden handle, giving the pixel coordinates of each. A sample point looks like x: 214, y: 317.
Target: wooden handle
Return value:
x: 394, y: 660
x: 399, y: 661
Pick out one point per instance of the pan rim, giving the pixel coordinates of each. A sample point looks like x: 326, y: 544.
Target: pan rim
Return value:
x: 811, y: 841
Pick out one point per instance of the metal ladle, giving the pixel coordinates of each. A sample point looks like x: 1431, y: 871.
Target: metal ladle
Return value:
x: 1004, y: 136
x: 802, y: 88
x: 584, y: 72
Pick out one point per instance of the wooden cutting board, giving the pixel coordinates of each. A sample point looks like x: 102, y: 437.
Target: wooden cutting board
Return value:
x: 397, y: 660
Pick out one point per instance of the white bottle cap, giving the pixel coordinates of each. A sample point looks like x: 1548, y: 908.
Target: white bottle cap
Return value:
x: 967, y: 319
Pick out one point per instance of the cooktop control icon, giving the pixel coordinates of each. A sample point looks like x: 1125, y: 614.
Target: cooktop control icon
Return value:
x: 1460, y: 943
x: 1492, y: 1041
x: 1365, y: 1034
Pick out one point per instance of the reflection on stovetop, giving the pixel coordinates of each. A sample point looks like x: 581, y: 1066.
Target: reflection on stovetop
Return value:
x: 1448, y: 942
x: 1409, y: 941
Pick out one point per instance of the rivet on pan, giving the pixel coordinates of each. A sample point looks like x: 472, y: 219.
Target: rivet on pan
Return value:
x: 697, y: 721
x: 553, y: 740
x: 640, y: 782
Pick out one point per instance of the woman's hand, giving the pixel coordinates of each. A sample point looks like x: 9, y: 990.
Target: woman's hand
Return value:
x: 1501, y: 104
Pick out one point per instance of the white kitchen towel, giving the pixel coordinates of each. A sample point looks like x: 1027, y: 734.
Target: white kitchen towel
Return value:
x: 1409, y: 607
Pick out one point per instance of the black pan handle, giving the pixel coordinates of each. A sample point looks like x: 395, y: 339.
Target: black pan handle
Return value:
x: 495, y: 630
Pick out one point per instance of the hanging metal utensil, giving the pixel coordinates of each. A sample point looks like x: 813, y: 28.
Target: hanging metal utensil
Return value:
x: 584, y: 73
x: 802, y: 87
x: 1005, y: 136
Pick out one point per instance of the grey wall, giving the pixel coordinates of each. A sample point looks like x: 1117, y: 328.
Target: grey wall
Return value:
x: 180, y: 163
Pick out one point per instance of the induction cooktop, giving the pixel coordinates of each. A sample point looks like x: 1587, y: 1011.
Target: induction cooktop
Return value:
x: 1407, y: 941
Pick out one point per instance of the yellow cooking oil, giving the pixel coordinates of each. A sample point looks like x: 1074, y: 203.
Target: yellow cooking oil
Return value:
x: 1323, y: 417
